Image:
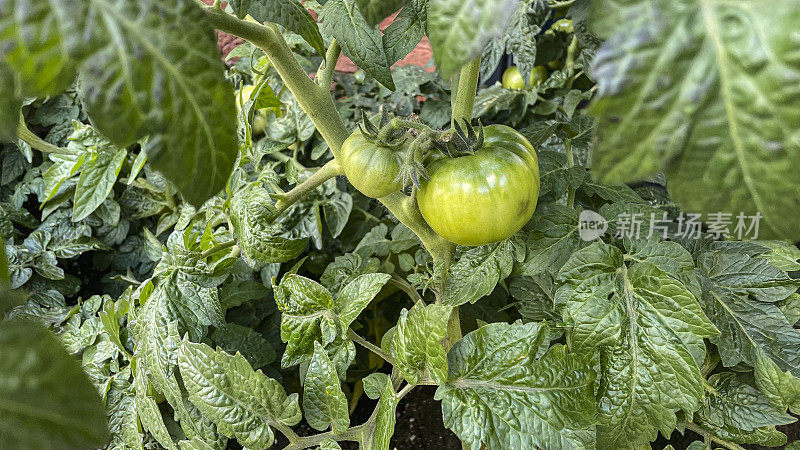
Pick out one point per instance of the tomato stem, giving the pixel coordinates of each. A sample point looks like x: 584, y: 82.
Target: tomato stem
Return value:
x: 315, y: 101
x: 325, y: 173
x: 466, y: 90
x: 570, y: 164
x: 30, y: 138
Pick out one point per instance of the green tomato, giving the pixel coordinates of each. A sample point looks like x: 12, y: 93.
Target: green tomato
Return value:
x: 370, y: 167
x: 360, y: 76
x: 538, y: 75
x: 260, y: 116
x: 563, y: 25
x: 512, y: 78
x: 484, y: 197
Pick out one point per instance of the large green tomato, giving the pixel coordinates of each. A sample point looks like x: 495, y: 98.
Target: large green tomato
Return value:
x: 484, y: 197
x: 370, y: 167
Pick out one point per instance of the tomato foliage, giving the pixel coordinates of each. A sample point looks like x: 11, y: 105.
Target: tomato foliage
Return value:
x: 596, y: 252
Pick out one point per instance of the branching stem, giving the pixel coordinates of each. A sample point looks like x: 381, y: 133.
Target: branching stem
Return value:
x: 325, y: 173
x: 355, y: 337
x: 315, y: 100
x: 38, y: 143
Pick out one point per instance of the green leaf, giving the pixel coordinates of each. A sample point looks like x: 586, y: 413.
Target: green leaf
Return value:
x: 307, y: 316
x: 97, y: 179
x: 337, y: 210
x: 406, y: 31
x: 357, y: 294
x: 459, y: 30
x: 251, y: 214
x: 329, y: 444
x: 381, y: 435
x: 782, y: 389
x: 149, y: 414
x: 505, y: 389
x: 374, y: 384
x: 737, y: 412
x: 172, y: 88
x: 534, y: 295
x: 44, y: 41
x: 243, y: 403
x: 418, y: 344
x: 376, y: 10
x: 235, y: 338
x: 46, y: 400
x: 323, y: 400
x: 10, y: 104
x: 783, y: 255
x: 553, y: 239
x: 739, y: 295
x: 649, y: 329
x: 310, y: 313
x: 477, y: 273
x: 287, y: 13
x: 730, y: 116
x: 360, y: 42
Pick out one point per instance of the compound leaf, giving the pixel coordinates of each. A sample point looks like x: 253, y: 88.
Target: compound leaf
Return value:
x: 459, y: 30
x: 406, y: 31
x: 287, y: 13
x: 360, y: 42
x: 251, y: 214
x: 739, y: 295
x: 357, y: 294
x: 172, y: 88
x: 649, y: 328
x: 243, y: 403
x: 477, y: 272
x: 500, y: 377
x: 737, y: 412
x: 376, y: 10
x: 418, y: 344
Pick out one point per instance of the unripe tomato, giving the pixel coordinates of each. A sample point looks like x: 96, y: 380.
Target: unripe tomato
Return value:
x: 538, y: 75
x: 512, y: 78
x: 370, y: 167
x: 484, y: 197
x: 260, y: 116
x: 563, y: 25
x: 360, y: 76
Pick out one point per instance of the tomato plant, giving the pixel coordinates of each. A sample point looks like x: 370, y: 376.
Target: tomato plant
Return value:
x: 259, y: 249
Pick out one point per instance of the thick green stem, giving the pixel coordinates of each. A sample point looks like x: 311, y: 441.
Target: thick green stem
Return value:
x: 322, y: 175
x: 38, y: 143
x: 406, y: 211
x: 466, y: 90
x: 315, y: 101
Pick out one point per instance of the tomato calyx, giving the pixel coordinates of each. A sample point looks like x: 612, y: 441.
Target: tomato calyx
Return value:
x: 465, y: 140
x: 383, y: 134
